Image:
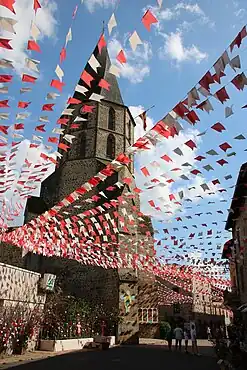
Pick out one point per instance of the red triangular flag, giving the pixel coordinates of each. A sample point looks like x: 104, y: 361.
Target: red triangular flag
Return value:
x: 4, y: 129
x: 104, y: 84
x: 62, y: 55
x: 19, y: 126
x: 145, y: 171
x: 73, y: 101
x: 87, y: 78
x: 28, y: 78
x: 48, y: 107
x: 8, y: 4
x: 5, y: 78
x: 101, y: 43
x: 191, y: 144
x: 121, y: 57
x: 148, y: 19
x: 166, y: 158
x: 218, y: 127
x: 225, y: 146
x: 4, y: 104
x: 88, y: 108
x: 40, y: 128
x: 63, y: 147
x: 23, y: 104
x: 57, y: 84
x: 36, y: 5
x: 53, y: 140
x: 4, y: 43
x: 32, y: 45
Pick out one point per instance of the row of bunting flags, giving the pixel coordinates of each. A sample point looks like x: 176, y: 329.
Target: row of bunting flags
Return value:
x: 41, y: 234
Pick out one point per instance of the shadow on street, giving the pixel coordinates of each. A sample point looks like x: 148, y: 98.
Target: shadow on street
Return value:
x: 144, y: 357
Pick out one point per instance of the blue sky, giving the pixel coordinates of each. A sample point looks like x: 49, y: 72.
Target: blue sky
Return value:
x: 189, y: 38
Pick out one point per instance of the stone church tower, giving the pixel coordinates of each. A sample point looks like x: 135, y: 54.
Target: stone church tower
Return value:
x: 103, y: 133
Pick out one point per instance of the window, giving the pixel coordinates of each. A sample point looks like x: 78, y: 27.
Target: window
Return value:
x: 111, y: 119
x: 148, y: 315
x: 82, y: 145
x: 111, y: 144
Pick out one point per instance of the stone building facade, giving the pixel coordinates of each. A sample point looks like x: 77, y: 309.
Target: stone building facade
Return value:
x: 104, y: 133
x: 235, y: 250
x: 203, y: 309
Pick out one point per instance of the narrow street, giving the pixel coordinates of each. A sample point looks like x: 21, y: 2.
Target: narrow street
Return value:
x: 144, y: 357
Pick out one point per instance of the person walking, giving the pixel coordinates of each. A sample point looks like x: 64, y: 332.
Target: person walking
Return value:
x: 178, y: 333
x: 194, y: 340
x: 186, y: 340
x: 169, y: 339
x: 209, y: 333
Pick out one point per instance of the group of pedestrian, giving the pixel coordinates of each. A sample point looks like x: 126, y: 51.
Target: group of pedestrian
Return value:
x: 185, y: 334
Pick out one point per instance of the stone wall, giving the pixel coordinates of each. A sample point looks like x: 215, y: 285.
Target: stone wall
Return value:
x: 20, y: 286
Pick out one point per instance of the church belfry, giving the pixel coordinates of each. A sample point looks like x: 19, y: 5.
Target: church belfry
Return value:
x: 102, y: 130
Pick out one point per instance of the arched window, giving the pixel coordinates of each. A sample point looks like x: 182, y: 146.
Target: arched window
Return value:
x: 111, y: 119
x: 111, y: 147
x: 82, y: 149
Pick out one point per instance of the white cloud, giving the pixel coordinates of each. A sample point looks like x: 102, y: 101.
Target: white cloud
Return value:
x: 174, y: 13
x: 136, y: 68
x: 93, y: 4
x: 174, y: 48
x: 45, y: 20
x: 161, y: 170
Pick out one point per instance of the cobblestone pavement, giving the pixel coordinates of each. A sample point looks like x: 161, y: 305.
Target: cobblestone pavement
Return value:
x: 143, y: 357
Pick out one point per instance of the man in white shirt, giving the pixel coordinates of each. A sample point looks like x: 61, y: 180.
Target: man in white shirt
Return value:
x: 178, y: 333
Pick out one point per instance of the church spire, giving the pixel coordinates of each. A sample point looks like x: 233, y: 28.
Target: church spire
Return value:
x: 98, y: 68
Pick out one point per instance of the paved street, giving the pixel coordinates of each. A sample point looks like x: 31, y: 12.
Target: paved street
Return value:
x: 144, y: 357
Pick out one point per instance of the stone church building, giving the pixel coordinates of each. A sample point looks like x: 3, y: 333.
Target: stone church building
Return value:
x: 103, y: 134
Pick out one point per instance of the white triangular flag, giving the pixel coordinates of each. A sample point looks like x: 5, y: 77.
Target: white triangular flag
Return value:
x: 96, y: 97
x: 80, y: 119
x: 67, y: 112
x: 68, y: 37
x: 81, y: 89
x: 112, y: 23
x: 32, y: 64
x: 235, y: 62
x: 59, y: 72
x: 135, y: 40
x: 93, y: 62
x: 25, y: 89
x: 228, y: 111
x: 37, y: 138
x: 114, y: 70
x: 5, y: 63
x: 69, y: 138
x: 51, y: 96
x: 4, y: 115
x: 35, y: 32
x: 160, y: 2
x: 4, y: 90
x: 7, y: 24
x: 17, y: 136
x: 59, y: 131
x: 44, y: 119
x: 57, y: 154
x: 22, y: 115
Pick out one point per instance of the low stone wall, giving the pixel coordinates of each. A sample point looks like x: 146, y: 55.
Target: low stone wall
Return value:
x: 72, y: 344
